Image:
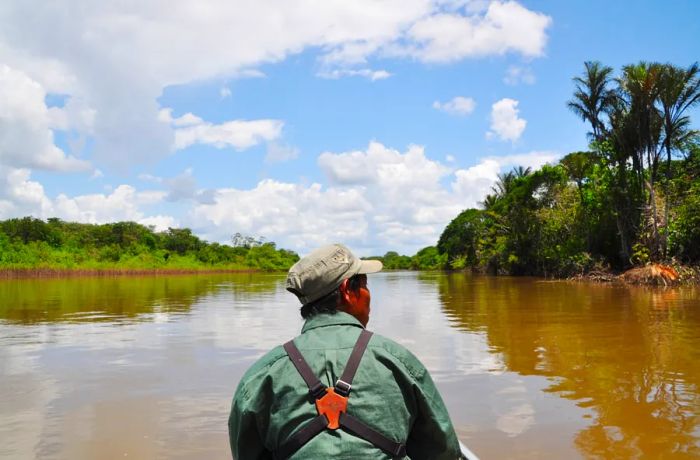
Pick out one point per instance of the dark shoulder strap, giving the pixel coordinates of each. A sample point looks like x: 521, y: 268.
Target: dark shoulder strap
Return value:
x: 316, y: 388
x: 301, y: 437
x: 359, y: 429
x: 344, y: 383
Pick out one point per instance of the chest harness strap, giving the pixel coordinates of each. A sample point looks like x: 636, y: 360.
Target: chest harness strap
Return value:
x: 331, y: 405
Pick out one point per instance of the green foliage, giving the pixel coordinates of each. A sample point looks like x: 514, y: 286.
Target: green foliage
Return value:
x: 392, y: 260
x: 684, y: 229
x: 462, y: 238
x: 32, y: 243
x: 428, y: 258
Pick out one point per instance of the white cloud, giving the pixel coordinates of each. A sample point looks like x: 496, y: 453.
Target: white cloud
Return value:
x: 160, y: 223
x: 26, y: 137
x: 381, y: 195
x: 124, y: 203
x: 473, y: 183
x: 367, y: 73
x: 293, y: 215
x: 456, y: 106
x: 21, y: 196
x: 116, y: 58
x: 225, y: 92
x: 505, y: 27
x: 378, y: 198
x: 516, y: 75
x: 239, y: 134
x: 505, y: 122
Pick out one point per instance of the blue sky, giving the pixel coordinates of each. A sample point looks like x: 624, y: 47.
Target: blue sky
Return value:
x: 368, y: 123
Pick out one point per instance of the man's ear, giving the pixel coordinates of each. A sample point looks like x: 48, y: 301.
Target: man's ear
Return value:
x: 344, y: 290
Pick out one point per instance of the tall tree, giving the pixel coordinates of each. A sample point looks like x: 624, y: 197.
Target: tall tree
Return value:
x: 593, y: 96
x: 640, y: 85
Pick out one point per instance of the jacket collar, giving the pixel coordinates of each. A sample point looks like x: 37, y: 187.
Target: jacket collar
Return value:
x: 330, y: 319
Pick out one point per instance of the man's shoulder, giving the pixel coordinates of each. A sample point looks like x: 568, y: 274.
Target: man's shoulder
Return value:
x: 261, y: 367
x: 399, y: 353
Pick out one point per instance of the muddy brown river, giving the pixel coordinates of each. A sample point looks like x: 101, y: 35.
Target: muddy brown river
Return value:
x: 145, y: 367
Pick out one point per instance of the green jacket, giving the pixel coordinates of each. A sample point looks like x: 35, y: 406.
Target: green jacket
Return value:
x: 392, y: 392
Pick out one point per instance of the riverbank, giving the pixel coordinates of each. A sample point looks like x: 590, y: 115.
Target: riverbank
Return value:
x: 23, y: 273
x: 650, y: 275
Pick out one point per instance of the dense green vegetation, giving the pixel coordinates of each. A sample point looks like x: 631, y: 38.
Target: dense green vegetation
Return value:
x: 427, y: 258
x: 632, y: 199
x: 33, y: 243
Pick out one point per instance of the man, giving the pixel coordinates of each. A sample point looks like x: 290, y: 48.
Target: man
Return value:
x: 336, y: 390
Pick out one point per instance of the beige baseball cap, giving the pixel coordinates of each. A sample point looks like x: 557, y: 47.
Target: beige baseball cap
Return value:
x: 324, y: 270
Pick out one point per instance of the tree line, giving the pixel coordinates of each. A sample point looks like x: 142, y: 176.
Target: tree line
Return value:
x: 55, y: 244
x: 632, y: 198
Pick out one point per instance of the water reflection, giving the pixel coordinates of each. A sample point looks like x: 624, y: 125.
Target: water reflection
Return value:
x: 106, y: 299
x: 629, y: 355
x: 140, y: 367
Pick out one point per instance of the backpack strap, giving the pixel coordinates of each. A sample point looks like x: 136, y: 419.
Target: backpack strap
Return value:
x: 301, y: 437
x: 316, y: 388
x: 342, y: 386
x: 359, y: 429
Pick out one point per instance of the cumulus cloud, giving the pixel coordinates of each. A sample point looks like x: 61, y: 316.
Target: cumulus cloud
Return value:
x: 123, y: 203
x: 26, y: 137
x: 377, y: 198
x: 304, y: 216
x: 505, y: 27
x: 456, y: 106
x: 505, y: 122
x: 21, y: 196
x: 517, y: 74
x: 239, y: 134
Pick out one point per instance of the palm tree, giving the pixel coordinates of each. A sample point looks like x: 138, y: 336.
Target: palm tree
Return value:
x: 504, y: 184
x: 679, y: 90
x: 592, y: 97
x: 489, y: 202
x: 640, y: 85
x: 521, y: 172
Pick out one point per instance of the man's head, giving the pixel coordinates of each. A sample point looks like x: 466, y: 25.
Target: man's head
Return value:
x: 331, y: 278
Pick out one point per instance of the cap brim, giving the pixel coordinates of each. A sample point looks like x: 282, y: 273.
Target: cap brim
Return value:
x: 370, y: 266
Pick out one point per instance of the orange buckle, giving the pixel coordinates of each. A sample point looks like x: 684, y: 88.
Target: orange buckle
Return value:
x: 331, y: 405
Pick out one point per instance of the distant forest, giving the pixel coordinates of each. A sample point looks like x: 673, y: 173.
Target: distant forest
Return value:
x: 30, y: 243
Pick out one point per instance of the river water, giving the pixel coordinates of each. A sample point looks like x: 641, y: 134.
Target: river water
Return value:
x: 145, y: 367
